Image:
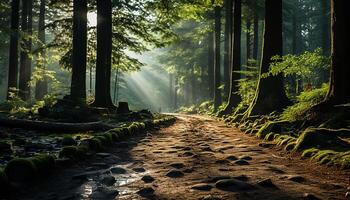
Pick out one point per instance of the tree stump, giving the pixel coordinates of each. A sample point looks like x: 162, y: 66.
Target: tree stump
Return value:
x: 123, y: 108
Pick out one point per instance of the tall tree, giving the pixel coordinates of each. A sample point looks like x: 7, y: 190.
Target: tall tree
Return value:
x: 25, y: 65
x: 104, y: 53
x: 256, y: 30
x: 339, y: 81
x: 234, y: 98
x: 270, y: 95
x: 41, y: 87
x: 13, y: 54
x: 227, y: 44
x: 211, y: 45
x: 78, y: 85
x: 325, y: 27
x: 217, y: 66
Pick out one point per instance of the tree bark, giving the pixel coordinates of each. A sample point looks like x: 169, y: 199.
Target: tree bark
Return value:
x: 325, y: 28
x: 41, y: 88
x: 256, y: 31
x: 104, y: 53
x: 13, y: 54
x: 25, y: 65
x: 227, y: 45
x: 270, y: 95
x: 234, y: 98
x: 78, y: 83
x: 339, y: 81
x: 217, y: 72
x: 211, y: 44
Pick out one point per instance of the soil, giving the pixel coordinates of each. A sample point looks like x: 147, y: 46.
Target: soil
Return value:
x: 196, y: 158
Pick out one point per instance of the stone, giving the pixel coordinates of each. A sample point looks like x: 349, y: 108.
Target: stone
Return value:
x: 267, y: 183
x: 118, y: 170
x: 296, y: 178
x: 245, y: 158
x: 146, y: 192
x: 147, y: 179
x: 177, y: 165
x: 308, y: 196
x: 139, y: 169
x: 231, y: 158
x: 108, y: 180
x: 213, y: 179
x: 187, y: 154
x: 104, y: 193
x: 233, y: 185
x: 241, y: 178
x: 68, y: 141
x: 175, y: 174
x: 241, y: 162
x: 202, y: 187
x: 222, y: 161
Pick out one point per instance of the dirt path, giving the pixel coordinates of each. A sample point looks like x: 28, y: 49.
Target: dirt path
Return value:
x: 196, y: 158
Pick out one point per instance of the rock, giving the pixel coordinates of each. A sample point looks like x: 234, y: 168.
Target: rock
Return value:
x: 68, y: 141
x: 108, y: 180
x: 118, y: 170
x: 245, y: 158
x: 233, y: 185
x: 5, y: 147
x: 103, y: 155
x: 267, y: 183
x: 241, y: 162
x: 187, y: 154
x: 147, y: 179
x: 146, y: 192
x: 202, y: 187
x: 309, y: 196
x: 104, y: 193
x: 231, y: 158
x: 213, y: 179
x: 296, y: 178
x: 241, y: 178
x: 211, y: 198
x: 222, y: 161
x: 177, y: 165
x: 175, y: 174
x: 139, y: 169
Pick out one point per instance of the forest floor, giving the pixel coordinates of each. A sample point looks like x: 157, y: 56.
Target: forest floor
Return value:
x: 196, y: 158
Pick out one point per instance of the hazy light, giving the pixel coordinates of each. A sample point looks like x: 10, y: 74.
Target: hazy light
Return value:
x: 92, y: 18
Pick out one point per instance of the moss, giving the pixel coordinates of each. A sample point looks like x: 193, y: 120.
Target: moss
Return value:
x: 103, y: 140
x: 318, y: 138
x: 68, y: 141
x: 309, y: 152
x: 272, y: 126
x: 95, y: 144
x: 68, y: 152
x: 20, y: 170
x: 320, y: 155
x: 44, y: 163
x: 3, y: 179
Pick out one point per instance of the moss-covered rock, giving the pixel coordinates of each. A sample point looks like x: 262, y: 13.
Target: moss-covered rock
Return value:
x: 94, y: 144
x: 44, y: 163
x: 3, y: 181
x: 20, y: 170
x: 68, y: 152
x: 68, y: 141
x: 319, y: 138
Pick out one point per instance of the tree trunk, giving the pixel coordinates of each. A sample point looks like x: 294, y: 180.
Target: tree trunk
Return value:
x: 325, y: 28
x: 211, y: 64
x: 41, y: 85
x: 234, y: 98
x: 171, y: 89
x: 270, y: 95
x: 78, y: 84
x: 228, y: 47
x: 217, y: 73
x: 13, y: 54
x: 248, y: 26
x: 175, y: 93
x: 256, y: 31
x: 339, y: 81
x: 26, y: 63
x: 104, y: 53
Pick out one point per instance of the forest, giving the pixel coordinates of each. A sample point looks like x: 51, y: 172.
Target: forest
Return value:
x: 174, y: 99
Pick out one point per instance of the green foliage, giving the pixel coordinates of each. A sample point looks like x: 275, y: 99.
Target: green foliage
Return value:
x: 247, y: 85
x: 305, y: 67
x: 304, y: 102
